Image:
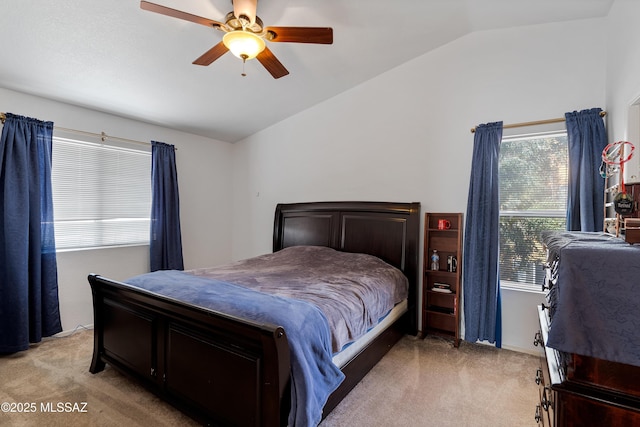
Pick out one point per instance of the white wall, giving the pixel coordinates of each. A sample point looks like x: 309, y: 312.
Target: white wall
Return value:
x: 623, y: 66
x: 405, y: 135
x: 204, y: 179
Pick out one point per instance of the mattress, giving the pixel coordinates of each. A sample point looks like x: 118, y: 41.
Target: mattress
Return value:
x: 351, y: 350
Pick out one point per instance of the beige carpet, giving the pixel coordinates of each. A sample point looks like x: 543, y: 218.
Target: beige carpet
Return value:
x: 57, y: 370
x: 431, y: 383
x: 419, y: 383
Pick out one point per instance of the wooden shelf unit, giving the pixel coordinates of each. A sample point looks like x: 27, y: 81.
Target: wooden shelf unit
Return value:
x: 440, y: 311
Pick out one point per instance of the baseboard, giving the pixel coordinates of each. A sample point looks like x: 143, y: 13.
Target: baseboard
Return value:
x: 532, y: 352
x: 68, y: 332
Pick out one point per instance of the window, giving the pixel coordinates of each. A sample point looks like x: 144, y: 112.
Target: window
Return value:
x: 101, y: 194
x: 533, y: 198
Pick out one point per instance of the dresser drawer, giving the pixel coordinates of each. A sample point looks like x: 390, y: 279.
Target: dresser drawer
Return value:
x: 567, y: 401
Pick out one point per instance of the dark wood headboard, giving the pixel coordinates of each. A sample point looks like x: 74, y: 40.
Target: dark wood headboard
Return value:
x: 389, y: 231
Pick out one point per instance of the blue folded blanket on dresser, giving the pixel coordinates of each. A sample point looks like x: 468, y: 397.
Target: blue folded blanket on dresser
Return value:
x: 313, y: 375
x: 595, y: 303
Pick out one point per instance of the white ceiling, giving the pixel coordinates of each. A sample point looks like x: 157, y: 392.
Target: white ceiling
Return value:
x: 112, y: 56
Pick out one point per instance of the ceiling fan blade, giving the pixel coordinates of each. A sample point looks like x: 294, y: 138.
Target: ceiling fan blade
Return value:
x: 271, y: 63
x: 320, y: 35
x: 163, y: 10
x: 212, y: 54
x: 245, y: 7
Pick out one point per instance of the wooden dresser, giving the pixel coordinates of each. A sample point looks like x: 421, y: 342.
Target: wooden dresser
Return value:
x: 584, y: 391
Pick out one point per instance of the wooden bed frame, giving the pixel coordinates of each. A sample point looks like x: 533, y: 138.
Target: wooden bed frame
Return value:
x: 224, y: 370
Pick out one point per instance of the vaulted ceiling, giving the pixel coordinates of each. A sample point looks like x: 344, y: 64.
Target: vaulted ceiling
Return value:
x: 111, y: 56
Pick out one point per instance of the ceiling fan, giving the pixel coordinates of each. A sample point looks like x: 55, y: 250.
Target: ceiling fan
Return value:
x: 245, y: 34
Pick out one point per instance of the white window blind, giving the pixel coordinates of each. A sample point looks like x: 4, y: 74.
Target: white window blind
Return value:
x: 101, y: 194
x: 533, y: 197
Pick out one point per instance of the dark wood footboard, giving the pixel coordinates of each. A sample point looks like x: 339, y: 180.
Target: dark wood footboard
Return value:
x: 219, y: 369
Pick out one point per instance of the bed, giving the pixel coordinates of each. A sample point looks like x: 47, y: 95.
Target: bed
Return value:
x: 222, y: 368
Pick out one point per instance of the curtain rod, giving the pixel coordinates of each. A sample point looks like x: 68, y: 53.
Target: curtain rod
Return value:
x: 537, y: 122
x: 103, y: 136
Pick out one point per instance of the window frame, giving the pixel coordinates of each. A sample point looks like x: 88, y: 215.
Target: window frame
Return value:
x: 532, y: 213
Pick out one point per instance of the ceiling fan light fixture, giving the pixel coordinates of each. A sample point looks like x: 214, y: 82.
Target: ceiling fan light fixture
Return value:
x: 243, y: 44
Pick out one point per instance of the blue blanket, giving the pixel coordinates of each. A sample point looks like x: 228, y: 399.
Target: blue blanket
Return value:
x: 313, y: 375
x: 595, y: 300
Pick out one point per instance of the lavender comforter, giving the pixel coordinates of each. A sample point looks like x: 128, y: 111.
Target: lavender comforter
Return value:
x: 354, y: 291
